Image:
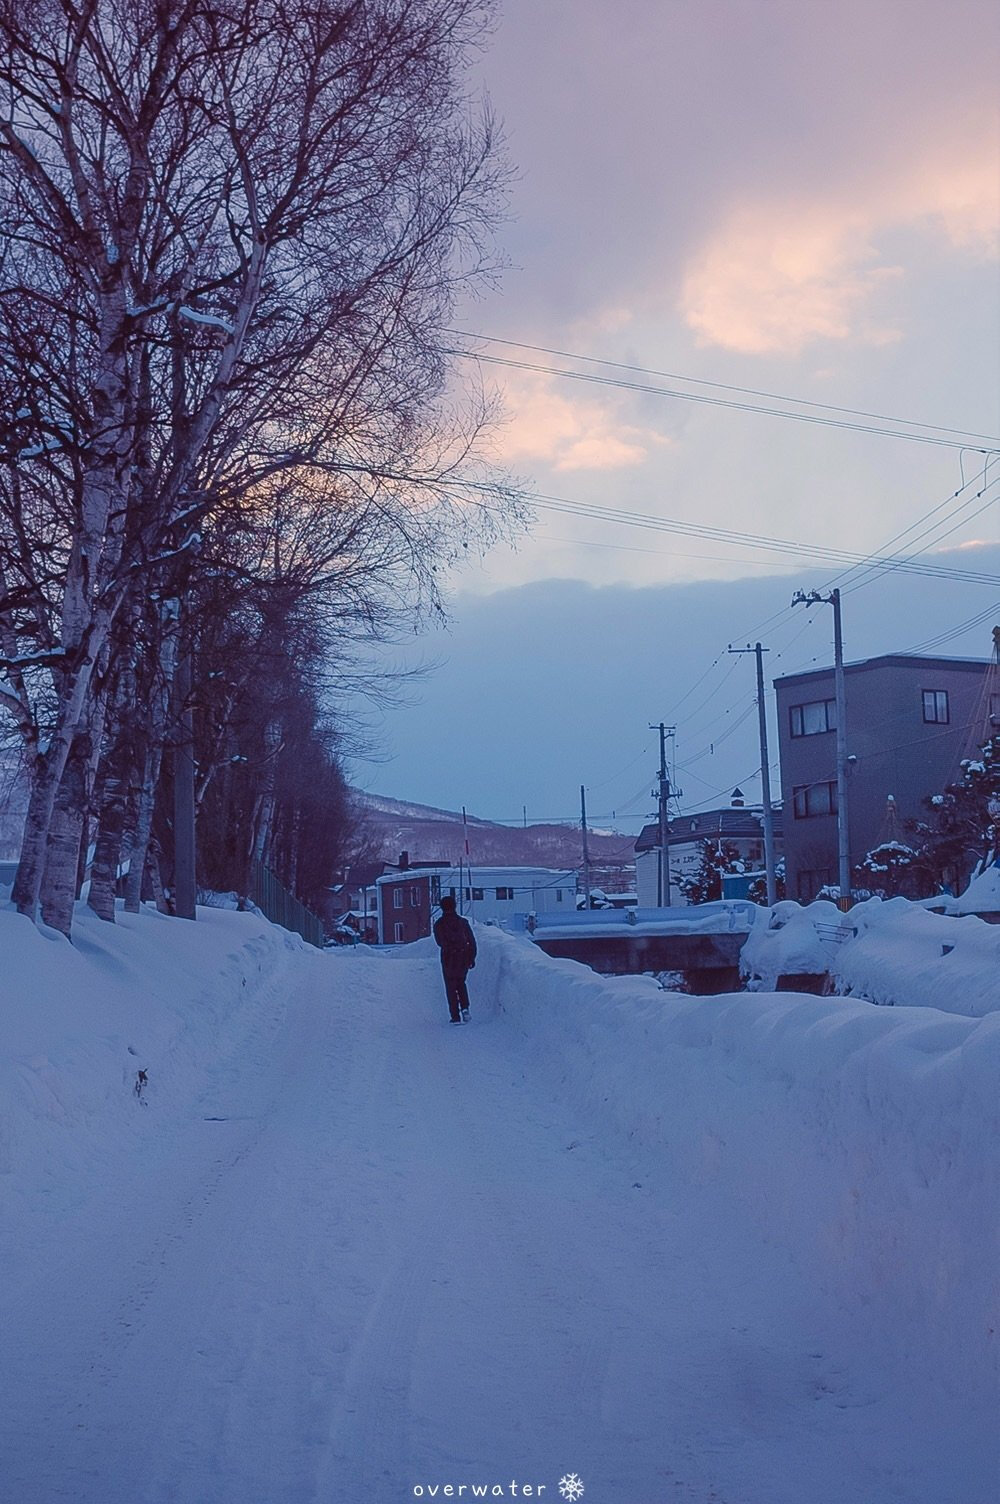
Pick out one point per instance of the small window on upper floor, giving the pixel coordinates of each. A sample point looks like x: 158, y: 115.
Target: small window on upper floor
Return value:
x: 812, y: 718
x: 397, y: 898
x: 414, y: 898
x: 936, y: 707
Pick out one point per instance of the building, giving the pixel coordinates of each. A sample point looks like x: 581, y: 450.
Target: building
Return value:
x: 407, y: 900
x: 910, y: 721
x: 738, y: 824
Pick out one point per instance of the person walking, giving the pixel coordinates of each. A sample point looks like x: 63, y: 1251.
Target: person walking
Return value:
x: 458, y: 955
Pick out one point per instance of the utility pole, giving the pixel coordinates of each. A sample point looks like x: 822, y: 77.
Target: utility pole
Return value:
x: 663, y: 810
x: 468, y: 863
x: 765, y: 772
x: 586, y: 853
x: 840, y: 692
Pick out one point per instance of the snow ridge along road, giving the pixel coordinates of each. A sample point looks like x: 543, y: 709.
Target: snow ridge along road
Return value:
x: 367, y: 1253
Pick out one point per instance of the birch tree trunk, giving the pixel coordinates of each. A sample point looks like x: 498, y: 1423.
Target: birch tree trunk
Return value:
x: 111, y: 827
x: 64, y: 834
x: 265, y: 817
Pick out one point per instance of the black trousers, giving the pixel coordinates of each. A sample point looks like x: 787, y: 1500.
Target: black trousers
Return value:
x: 456, y: 992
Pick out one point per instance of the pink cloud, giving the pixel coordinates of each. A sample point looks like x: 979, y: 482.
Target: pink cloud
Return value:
x: 777, y: 274
x: 568, y: 430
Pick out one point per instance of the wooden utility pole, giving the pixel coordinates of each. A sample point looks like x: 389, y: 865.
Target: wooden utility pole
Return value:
x: 586, y: 853
x: 840, y: 693
x: 765, y: 773
x: 663, y: 813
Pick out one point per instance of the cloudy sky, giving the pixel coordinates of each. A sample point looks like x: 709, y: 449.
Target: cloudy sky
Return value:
x: 717, y: 200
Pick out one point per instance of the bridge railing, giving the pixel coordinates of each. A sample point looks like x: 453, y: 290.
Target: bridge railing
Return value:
x: 725, y: 914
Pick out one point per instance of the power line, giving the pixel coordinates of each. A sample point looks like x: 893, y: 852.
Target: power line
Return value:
x: 721, y: 386
x: 747, y: 407
x: 791, y: 547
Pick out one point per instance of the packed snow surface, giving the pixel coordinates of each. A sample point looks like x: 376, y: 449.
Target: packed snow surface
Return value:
x: 735, y: 1250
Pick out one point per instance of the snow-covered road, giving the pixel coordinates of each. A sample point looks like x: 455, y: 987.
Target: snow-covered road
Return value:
x: 384, y: 1255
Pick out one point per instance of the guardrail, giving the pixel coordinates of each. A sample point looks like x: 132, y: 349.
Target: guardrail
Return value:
x: 835, y: 934
x: 281, y: 907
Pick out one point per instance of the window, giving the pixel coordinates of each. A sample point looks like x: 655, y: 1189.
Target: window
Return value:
x: 559, y: 895
x: 811, y: 879
x: 812, y: 718
x: 414, y: 898
x: 397, y: 898
x: 811, y: 799
x: 477, y: 893
x: 505, y: 893
x: 397, y: 932
x: 936, y: 707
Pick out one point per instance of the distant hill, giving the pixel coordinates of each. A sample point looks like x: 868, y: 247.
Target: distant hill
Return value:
x: 427, y: 834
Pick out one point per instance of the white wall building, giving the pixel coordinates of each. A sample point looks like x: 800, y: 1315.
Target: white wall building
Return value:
x: 487, y: 895
x: 737, y: 825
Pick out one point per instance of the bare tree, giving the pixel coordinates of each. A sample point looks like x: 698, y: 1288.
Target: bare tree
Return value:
x: 235, y: 233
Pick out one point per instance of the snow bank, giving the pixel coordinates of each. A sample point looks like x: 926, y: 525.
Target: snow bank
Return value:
x: 901, y: 953
x: 885, y: 952
x: 859, y: 1139
x: 79, y: 1021
x: 982, y: 896
x: 789, y: 940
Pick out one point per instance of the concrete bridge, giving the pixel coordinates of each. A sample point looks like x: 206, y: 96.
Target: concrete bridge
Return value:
x: 702, y: 941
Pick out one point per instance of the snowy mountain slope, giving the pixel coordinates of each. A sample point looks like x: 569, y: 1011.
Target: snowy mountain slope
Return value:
x: 404, y: 809
x: 428, y: 834
x: 735, y: 1249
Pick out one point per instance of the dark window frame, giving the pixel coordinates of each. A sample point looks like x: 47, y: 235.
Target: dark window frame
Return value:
x: 936, y: 696
x: 806, y: 796
x: 797, y: 719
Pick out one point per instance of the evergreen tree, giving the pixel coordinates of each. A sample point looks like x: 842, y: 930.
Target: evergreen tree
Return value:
x: 960, y: 828
x: 705, y: 885
x: 893, y: 869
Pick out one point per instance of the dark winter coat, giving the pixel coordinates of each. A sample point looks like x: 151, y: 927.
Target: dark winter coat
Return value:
x: 458, y: 944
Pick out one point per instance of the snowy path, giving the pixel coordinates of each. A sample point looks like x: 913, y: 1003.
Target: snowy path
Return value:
x: 386, y: 1254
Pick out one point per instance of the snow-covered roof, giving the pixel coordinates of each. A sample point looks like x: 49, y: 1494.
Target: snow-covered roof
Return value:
x: 701, y: 825
x: 488, y: 877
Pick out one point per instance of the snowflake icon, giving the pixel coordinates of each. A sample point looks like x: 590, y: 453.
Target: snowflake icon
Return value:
x: 571, y: 1487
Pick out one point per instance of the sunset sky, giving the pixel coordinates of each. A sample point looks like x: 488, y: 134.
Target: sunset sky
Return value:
x: 782, y: 196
